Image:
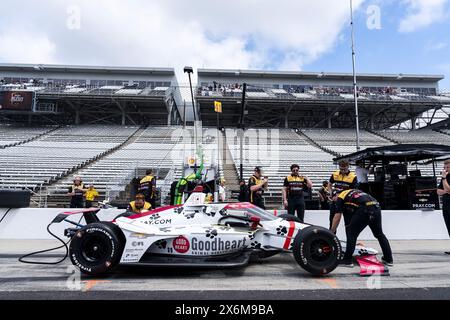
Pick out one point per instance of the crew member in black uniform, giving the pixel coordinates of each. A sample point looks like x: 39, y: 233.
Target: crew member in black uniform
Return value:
x: 340, y: 180
x: 257, y: 184
x: 147, y: 187
x: 76, y: 192
x: 444, y: 191
x: 360, y: 210
x: 293, y: 187
x: 243, y: 191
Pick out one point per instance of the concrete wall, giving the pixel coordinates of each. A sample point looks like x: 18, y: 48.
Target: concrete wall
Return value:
x: 31, y: 223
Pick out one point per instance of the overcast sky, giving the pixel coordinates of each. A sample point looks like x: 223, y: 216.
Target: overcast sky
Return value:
x: 392, y: 36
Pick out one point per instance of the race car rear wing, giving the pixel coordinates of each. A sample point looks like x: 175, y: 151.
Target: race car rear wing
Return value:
x: 90, y: 215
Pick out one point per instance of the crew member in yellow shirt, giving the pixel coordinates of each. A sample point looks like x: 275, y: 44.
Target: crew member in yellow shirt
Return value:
x: 91, y: 195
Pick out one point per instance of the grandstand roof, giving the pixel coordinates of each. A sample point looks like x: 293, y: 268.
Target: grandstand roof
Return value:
x: 84, y: 69
x: 400, y: 153
x: 315, y: 75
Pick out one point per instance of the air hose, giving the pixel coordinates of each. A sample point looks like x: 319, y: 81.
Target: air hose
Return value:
x: 64, y: 245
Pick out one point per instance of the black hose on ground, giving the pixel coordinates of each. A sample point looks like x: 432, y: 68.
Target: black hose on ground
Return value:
x: 64, y: 245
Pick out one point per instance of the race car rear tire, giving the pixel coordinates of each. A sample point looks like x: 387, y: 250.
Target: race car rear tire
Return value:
x: 97, y: 248
x: 289, y: 217
x: 317, y: 250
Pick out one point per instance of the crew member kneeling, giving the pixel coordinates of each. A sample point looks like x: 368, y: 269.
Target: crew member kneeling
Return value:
x: 360, y: 210
x: 139, y: 204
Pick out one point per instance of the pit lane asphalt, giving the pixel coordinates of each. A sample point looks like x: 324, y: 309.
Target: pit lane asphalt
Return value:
x: 421, y: 271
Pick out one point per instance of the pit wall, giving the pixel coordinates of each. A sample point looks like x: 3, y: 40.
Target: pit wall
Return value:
x: 31, y: 223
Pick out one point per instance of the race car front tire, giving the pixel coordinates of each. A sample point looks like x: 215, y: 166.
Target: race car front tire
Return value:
x: 97, y: 248
x: 317, y: 250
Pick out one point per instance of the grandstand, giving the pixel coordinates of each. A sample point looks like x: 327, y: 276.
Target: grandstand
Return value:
x: 315, y: 100
x: 164, y: 149
x: 415, y: 136
x: 147, y: 148
x: 14, y: 135
x: 108, y: 125
x: 67, y: 94
x: 57, y: 154
x: 342, y: 141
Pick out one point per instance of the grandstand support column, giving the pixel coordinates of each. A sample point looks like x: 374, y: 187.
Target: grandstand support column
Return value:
x: 77, y: 117
x: 329, y: 117
x: 286, y: 118
x: 329, y: 120
x: 170, y: 114
x: 124, y: 114
x: 413, y: 123
x: 75, y: 109
x: 184, y: 114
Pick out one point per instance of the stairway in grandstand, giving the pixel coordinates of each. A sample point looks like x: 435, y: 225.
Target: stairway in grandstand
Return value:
x: 314, y: 143
x: 56, y: 191
x: 163, y: 149
x: 110, y: 174
x: 38, y: 163
x: 381, y: 136
x: 229, y: 169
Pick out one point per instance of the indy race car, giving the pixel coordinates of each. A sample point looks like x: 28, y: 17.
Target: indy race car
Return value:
x: 199, y: 234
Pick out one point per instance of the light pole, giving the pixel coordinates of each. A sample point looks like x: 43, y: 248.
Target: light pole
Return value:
x: 190, y: 70
x: 355, y: 87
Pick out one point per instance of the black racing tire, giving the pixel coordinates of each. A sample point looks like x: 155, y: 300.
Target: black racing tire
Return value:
x: 317, y: 250
x: 289, y: 217
x: 97, y: 248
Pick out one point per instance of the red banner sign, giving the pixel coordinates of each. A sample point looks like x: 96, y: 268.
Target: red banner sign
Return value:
x: 16, y: 100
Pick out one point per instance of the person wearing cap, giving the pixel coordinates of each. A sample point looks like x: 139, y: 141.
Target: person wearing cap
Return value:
x: 76, y: 191
x: 257, y: 184
x: 360, y: 210
x: 91, y: 194
x: 147, y: 186
x: 293, y: 187
x: 139, y: 204
x: 340, y: 180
